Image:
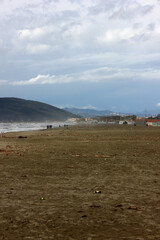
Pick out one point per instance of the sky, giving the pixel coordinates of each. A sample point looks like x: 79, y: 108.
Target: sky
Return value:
x: 102, y: 54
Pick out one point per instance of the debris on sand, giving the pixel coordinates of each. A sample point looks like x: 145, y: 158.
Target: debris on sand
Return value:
x: 132, y: 208
x: 22, y: 137
x: 95, y: 206
x: 119, y: 205
x: 42, y: 198
x: 9, y: 151
x: 98, y: 191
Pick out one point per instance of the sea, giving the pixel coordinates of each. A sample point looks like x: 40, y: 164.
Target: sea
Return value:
x: 30, y: 126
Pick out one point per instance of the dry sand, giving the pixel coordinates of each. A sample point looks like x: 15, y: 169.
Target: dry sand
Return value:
x: 49, y: 181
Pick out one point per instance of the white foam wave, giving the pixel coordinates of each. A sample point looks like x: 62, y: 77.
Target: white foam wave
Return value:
x: 28, y: 126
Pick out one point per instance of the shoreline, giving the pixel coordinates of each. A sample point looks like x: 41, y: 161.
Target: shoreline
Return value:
x: 30, y: 126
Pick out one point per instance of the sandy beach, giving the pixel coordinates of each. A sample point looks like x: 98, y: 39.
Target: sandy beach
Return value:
x: 82, y: 183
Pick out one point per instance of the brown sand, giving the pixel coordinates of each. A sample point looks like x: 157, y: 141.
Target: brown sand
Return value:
x: 49, y: 181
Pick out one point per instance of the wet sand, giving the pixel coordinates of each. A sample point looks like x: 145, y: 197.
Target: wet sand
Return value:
x: 81, y: 183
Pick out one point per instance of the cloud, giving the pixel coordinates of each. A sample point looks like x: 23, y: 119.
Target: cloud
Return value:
x: 56, y: 27
x: 68, y: 27
x: 31, y: 34
x: 70, y: 43
x: 40, y: 79
x: 131, y: 11
x: 117, y: 35
x: 34, y: 41
x: 158, y: 104
x: 89, y: 106
x: 98, y: 75
x: 75, y: 41
x: 47, y: 79
x: 135, y: 33
x: 37, y: 48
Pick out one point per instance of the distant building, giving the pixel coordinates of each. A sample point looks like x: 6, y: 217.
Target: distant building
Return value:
x: 153, y: 122
x: 73, y: 119
x: 140, y: 121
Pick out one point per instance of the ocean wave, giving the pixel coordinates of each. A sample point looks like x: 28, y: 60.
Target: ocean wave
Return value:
x: 28, y: 126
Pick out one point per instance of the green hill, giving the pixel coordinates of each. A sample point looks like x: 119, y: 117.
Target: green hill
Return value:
x: 17, y: 110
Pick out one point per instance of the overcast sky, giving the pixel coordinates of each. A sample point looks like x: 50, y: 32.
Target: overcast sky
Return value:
x: 99, y: 53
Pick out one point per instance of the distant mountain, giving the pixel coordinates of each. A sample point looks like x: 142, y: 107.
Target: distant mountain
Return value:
x: 98, y: 113
x: 17, y: 110
x: 89, y: 112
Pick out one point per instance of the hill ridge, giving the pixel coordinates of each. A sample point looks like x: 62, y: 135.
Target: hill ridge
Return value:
x: 17, y: 110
